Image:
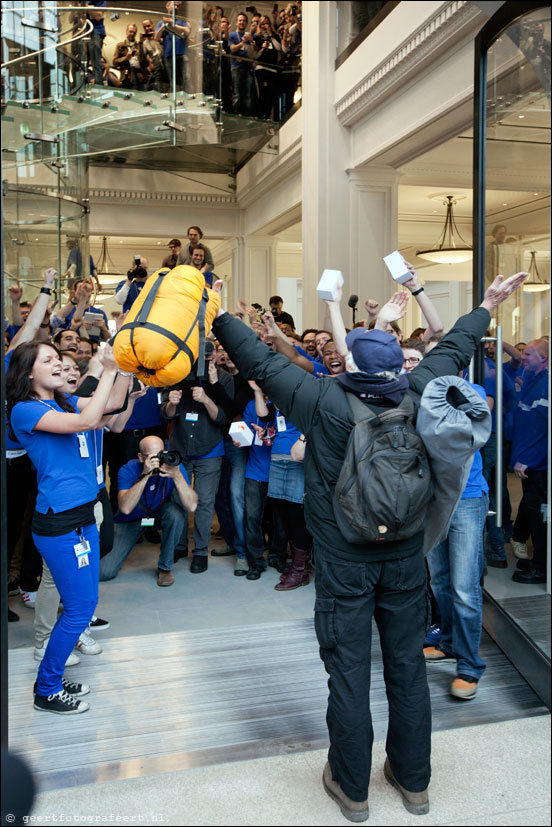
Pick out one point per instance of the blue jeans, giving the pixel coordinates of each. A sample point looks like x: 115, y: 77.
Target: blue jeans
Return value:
x: 95, y: 56
x: 456, y: 566
x: 494, y: 541
x: 238, y: 460
x: 171, y: 518
x: 242, y: 84
x: 78, y: 589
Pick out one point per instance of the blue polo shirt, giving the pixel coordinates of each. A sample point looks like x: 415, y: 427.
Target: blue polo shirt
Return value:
x: 258, y: 463
x: 530, y: 442
x: 146, y: 412
x: 476, y: 485
x: 157, y: 492
x: 181, y: 44
x: 284, y: 440
x: 243, y: 65
x: 99, y: 25
x: 65, y: 478
x: 133, y: 293
x: 320, y: 368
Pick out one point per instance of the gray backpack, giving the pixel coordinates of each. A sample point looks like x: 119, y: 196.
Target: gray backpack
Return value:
x: 385, y: 484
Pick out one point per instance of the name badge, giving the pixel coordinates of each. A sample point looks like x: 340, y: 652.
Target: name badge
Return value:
x: 192, y: 416
x: 147, y: 522
x: 281, y: 423
x: 83, y: 445
x: 159, y: 398
x: 81, y: 553
x: 99, y: 474
x: 257, y: 440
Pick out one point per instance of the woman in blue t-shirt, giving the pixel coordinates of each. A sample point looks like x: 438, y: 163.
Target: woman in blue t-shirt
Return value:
x: 52, y: 428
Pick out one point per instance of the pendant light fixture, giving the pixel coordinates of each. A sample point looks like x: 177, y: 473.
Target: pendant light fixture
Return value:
x: 448, y: 250
x: 535, y: 283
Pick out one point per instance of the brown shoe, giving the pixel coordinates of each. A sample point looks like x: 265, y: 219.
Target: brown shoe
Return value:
x: 415, y: 803
x: 164, y: 578
x: 298, y: 573
x: 436, y: 655
x: 353, y: 810
x: 466, y: 690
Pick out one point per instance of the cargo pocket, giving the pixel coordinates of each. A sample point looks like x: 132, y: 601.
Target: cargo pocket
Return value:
x: 324, y: 625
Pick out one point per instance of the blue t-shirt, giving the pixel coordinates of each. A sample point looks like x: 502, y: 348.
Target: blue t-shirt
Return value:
x: 530, y: 442
x: 65, y: 478
x: 217, y: 451
x: 12, y: 329
x: 320, y: 368
x: 133, y: 293
x: 75, y: 258
x: 181, y: 47
x: 476, y: 485
x: 242, y: 65
x: 158, y: 491
x: 99, y: 25
x: 258, y: 462
x: 90, y: 309
x: 284, y: 440
x: 146, y: 412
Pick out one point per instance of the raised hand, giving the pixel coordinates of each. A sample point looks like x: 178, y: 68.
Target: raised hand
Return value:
x: 372, y: 307
x: 199, y: 395
x: 175, y: 397
x: 411, y: 284
x: 16, y: 292
x: 394, y: 309
x: 500, y: 289
x: 253, y: 385
x: 49, y: 277
x: 107, y: 358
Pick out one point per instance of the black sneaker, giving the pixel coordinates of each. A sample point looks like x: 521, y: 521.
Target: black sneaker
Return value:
x: 13, y: 617
x: 98, y: 624
x: 76, y: 689
x: 62, y: 703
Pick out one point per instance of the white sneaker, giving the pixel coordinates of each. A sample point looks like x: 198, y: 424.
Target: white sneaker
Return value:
x: 72, y: 660
x: 521, y: 551
x: 29, y: 599
x: 86, y: 644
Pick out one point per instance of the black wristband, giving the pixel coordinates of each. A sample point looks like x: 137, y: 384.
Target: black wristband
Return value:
x: 47, y: 290
x: 418, y: 291
x: 73, y: 303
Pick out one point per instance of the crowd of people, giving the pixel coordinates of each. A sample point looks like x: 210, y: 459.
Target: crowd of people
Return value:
x: 76, y: 420
x: 254, y: 69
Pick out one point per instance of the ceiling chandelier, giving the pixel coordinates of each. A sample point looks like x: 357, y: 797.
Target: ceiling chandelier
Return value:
x: 447, y: 250
x: 535, y: 284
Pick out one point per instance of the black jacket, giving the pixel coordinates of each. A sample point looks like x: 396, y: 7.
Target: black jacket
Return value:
x: 319, y: 409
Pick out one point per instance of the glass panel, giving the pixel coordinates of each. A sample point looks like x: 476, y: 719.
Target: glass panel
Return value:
x: 517, y: 216
x: 353, y: 18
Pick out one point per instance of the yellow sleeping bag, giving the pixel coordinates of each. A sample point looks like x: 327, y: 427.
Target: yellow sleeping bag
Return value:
x: 160, y: 339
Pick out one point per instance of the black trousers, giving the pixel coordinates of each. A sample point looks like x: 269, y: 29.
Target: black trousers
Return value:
x: 530, y: 516
x: 348, y: 596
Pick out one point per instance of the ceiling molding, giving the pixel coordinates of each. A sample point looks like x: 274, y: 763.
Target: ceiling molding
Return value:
x: 442, y: 32
x: 198, y: 199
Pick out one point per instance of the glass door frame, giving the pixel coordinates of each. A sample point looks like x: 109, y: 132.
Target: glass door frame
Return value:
x: 520, y: 649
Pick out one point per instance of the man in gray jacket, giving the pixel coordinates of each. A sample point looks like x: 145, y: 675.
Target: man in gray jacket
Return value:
x: 358, y: 582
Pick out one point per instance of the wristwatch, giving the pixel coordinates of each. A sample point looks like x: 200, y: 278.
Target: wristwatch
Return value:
x: 418, y: 291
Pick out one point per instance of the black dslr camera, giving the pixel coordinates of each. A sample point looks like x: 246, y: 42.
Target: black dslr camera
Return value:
x: 138, y: 272
x: 167, y: 458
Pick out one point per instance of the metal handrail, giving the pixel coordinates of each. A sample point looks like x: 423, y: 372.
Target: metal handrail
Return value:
x: 88, y: 27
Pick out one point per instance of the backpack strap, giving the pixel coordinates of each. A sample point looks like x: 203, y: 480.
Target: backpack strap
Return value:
x: 142, y: 323
x: 363, y: 413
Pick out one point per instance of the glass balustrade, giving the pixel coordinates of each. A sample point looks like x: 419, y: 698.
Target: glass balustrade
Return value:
x: 71, y: 93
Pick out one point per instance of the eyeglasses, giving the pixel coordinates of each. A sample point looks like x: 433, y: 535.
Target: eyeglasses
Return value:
x: 412, y: 360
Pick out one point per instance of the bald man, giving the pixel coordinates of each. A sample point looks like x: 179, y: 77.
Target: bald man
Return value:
x: 151, y: 494
x: 529, y: 458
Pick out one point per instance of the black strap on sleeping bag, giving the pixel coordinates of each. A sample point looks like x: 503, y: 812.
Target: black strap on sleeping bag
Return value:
x: 142, y: 323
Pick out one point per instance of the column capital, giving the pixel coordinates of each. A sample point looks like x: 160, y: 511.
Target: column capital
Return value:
x: 377, y: 175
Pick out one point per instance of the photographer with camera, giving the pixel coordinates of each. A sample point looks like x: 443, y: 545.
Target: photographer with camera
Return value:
x: 197, y: 433
x: 128, y: 290
x: 154, y: 490
x: 152, y: 51
x: 130, y: 60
